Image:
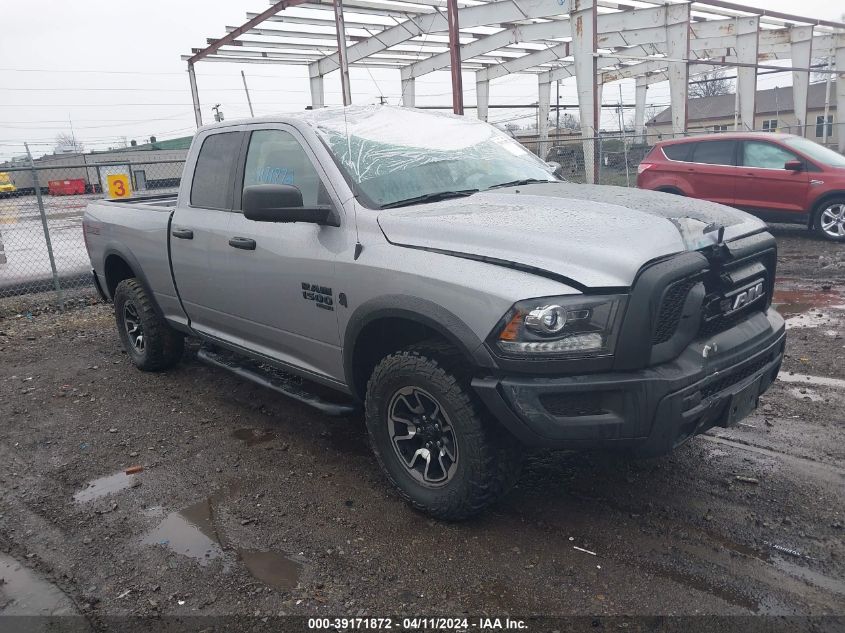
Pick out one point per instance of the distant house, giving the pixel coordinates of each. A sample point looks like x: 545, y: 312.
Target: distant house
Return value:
x: 774, y: 112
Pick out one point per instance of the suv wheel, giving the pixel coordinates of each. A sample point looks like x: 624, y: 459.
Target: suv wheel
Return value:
x: 148, y: 340
x: 431, y: 436
x: 830, y: 219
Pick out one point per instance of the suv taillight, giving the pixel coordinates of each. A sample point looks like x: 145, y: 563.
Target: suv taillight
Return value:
x: 643, y: 166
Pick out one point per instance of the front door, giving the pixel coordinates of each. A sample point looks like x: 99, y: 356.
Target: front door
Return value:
x: 286, y: 295
x: 769, y: 189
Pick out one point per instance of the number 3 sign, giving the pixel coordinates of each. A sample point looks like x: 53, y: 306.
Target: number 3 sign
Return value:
x: 119, y: 186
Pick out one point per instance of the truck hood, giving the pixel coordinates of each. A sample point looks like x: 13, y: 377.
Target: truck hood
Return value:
x: 596, y: 236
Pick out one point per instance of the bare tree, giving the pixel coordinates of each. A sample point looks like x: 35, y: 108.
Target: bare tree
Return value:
x: 569, y: 121
x: 67, y: 143
x: 711, y: 84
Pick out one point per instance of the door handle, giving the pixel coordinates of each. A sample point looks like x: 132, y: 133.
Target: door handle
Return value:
x: 243, y: 243
x: 183, y: 234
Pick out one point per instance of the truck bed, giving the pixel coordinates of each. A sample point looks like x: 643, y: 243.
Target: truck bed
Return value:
x: 138, y: 229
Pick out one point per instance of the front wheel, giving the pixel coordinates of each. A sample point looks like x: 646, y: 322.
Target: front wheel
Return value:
x: 431, y: 435
x: 830, y: 219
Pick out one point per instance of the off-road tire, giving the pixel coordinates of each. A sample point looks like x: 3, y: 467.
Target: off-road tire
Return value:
x: 489, y: 458
x: 163, y: 346
x: 817, y: 218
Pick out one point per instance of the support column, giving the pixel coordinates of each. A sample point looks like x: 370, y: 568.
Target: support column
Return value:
x: 839, y: 117
x: 482, y: 97
x: 455, y: 57
x: 677, y: 48
x: 544, y: 93
x: 409, y: 92
x: 747, y: 45
x: 801, y: 50
x: 639, y: 108
x: 195, y: 95
x: 318, y: 93
x: 583, y: 17
x: 340, y: 29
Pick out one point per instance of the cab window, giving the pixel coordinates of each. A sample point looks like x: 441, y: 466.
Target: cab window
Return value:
x: 214, y: 173
x: 714, y: 152
x: 765, y: 155
x: 276, y: 157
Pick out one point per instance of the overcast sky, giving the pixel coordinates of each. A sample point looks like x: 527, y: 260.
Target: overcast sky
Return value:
x: 112, y: 69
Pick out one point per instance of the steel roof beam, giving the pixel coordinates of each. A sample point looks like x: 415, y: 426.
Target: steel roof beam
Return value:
x: 258, y: 19
x: 491, y: 13
x: 608, y: 22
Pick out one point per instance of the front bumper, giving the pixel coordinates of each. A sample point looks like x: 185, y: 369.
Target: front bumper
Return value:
x: 651, y: 410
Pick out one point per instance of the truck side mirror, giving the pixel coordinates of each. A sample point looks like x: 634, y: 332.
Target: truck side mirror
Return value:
x: 793, y: 165
x: 281, y: 203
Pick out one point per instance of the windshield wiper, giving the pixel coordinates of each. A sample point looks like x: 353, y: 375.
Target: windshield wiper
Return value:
x: 430, y: 197
x: 516, y: 183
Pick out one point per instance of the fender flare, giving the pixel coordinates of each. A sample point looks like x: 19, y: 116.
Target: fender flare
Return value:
x: 419, y: 311
x: 127, y: 256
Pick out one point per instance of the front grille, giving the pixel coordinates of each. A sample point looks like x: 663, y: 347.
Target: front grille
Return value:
x: 572, y: 405
x: 671, y: 310
x: 727, y: 381
x: 717, y: 315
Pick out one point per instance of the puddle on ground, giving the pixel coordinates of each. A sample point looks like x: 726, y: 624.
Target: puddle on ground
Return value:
x: 23, y: 592
x: 191, y: 532
x: 812, y: 381
x: 272, y: 568
x: 809, y: 308
x: 833, y: 585
x: 798, y: 301
x: 251, y: 437
x: 103, y: 486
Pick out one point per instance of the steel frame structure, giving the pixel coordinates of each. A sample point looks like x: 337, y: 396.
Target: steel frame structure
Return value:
x: 596, y: 41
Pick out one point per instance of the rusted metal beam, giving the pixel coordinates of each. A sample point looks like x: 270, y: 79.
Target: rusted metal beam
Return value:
x: 246, y: 26
x: 455, y: 57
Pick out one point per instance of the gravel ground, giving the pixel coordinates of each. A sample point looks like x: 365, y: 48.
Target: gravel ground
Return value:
x: 249, y: 504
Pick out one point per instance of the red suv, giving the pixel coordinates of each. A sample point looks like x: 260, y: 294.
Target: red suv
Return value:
x: 777, y: 177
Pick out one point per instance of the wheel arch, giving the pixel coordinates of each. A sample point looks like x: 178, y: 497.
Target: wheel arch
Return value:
x: 120, y: 264
x: 816, y: 205
x: 381, y: 326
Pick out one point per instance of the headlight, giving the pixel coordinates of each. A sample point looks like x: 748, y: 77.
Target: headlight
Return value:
x: 560, y: 327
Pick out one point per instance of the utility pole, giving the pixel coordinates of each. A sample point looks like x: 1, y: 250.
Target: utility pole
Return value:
x: 248, y: 100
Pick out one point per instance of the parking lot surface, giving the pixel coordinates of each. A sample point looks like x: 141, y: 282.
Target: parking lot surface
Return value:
x: 247, y: 503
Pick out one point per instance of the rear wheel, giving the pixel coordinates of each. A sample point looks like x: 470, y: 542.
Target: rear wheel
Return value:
x: 148, y: 340
x: 431, y: 436
x: 830, y: 219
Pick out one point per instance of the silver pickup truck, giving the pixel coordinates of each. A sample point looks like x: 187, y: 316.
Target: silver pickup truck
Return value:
x: 431, y: 270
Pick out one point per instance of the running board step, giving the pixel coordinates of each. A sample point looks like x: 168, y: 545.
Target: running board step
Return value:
x: 279, y: 381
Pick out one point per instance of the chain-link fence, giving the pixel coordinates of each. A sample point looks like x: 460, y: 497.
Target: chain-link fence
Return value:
x: 615, y: 156
x: 43, y: 259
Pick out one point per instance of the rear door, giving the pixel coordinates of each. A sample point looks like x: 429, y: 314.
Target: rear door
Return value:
x: 712, y: 172
x: 286, y: 291
x: 767, y: 189
x: 199, y: 233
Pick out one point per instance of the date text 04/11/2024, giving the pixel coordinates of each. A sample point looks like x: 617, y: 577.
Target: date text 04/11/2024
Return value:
x: 418, y: 624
